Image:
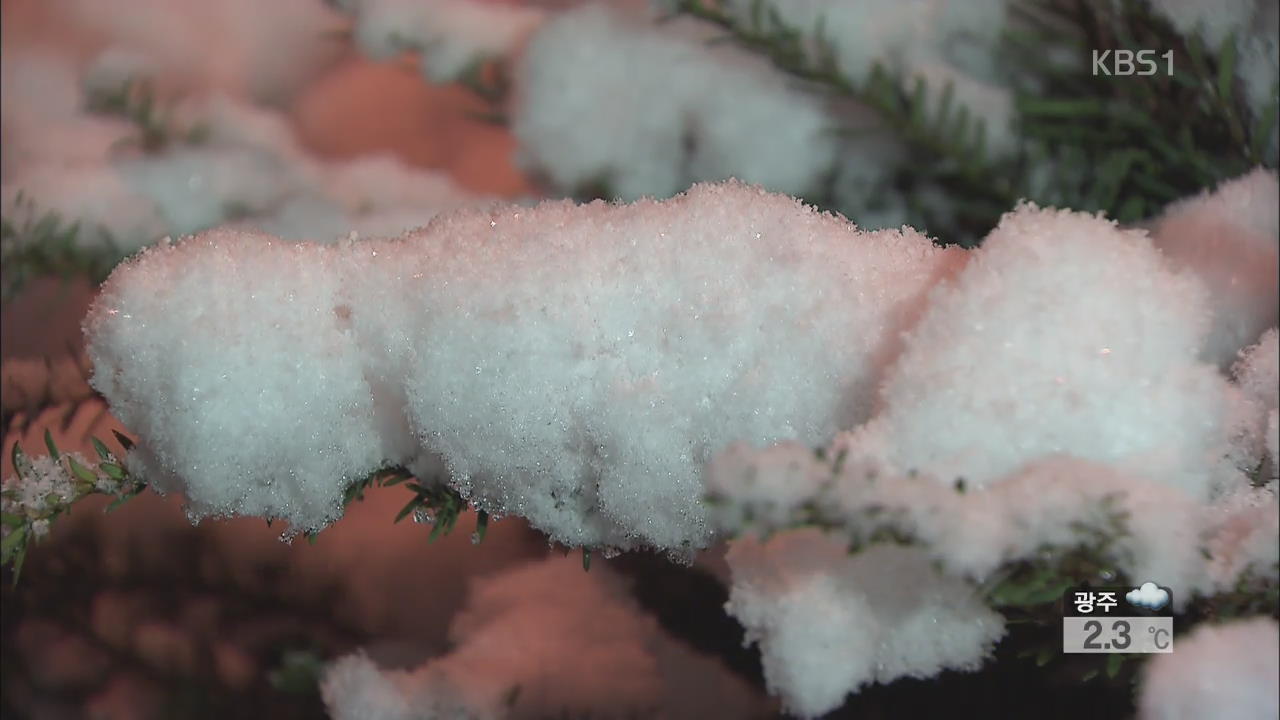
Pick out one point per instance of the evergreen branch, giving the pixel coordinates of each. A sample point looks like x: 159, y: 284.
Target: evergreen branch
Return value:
x: 1147, y: 140
x: 1255, y: 592
x: 944, y: 140
x: 46, y: 488
x: 433, y: 502
x: 135, y: 101
x: 1126, y: 146
x: 1026, y: 589
x: 35, y: 244
x: 945, y: 134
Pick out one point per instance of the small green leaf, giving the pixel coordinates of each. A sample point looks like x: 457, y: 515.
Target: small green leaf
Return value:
x: 353, y: 492
x: 960, y: 127
x: 1262, y: 133
x: 943, y: 117
x: 113, y: 470
x: 1061, y: 108
x: 1044, y: 656
x: 919, y: 104
x: 1227, y: 68
x: 48, y: 442
x: 12, y: 543
x: 757, y: 15
x: 100, y: 448
x: 395, y: 477
x: 12, y: 520
x: 409, y: 507
x: 298, y: 674
x: 21, y: 463
x: 81, y: 471
x: 436, y: 530
x: 1113, y: 665
x: 124, y: 499
x: 978, y: 148
x: 18, y: 560
x: 1132, y: 209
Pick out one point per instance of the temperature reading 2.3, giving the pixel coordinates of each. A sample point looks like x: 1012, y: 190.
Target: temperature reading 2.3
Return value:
x: 1117, y: 635
x: 1092, y: 621
x: 1120, y: 630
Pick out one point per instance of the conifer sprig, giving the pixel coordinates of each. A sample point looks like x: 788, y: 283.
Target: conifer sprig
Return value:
x: 35, y: 243
x: 135, y: 100
x: 1126, y: 146
x: 45, y: 488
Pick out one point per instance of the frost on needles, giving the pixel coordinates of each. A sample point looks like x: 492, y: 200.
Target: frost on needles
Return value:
x: 575, y: 365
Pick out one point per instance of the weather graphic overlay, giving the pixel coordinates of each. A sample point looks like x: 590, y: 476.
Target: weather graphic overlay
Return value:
x: 1118, y: 620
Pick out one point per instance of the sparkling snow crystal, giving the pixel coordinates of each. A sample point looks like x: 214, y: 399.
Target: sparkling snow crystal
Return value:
x: 575, y: 365
x: 225, y: 354
x: 1063, y: 334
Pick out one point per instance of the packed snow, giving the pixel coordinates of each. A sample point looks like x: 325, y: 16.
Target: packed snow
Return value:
x: 1062, y: 334
x: 586, y: 401
x: 1230, y: 238
x: 1229, y: 671
x: 604, y: 96
x: 828, y: 622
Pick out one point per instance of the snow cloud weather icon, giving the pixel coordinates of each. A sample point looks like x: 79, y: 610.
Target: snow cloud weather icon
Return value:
x: 1149, y: 596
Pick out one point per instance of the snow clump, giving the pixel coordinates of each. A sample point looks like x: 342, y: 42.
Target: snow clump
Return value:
x: 828, y: 622
x: 606, y: 97
x: 1062, y: 335
x: 1230, y: 238
x: 1229, y: 671
x: 576, y: 365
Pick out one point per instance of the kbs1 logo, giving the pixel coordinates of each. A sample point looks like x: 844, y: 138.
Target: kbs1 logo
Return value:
x: 1128, y: 62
